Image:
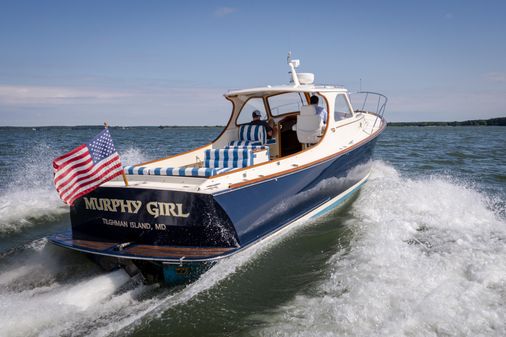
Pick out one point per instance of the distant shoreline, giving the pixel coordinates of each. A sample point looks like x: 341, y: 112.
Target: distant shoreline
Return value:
x: 84, y: 127
x: 501, y: 121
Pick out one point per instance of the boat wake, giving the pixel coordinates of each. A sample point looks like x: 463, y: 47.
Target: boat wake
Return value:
x: 30, y: 198
x: 427, y: 258
x: 132, y: 156
x: 21, y: 208
x: 47, y: 291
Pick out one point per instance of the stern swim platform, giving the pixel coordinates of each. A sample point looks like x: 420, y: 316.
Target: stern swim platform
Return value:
x: 141, y: 252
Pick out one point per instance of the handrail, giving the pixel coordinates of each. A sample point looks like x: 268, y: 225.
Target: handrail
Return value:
x: 378, y: 99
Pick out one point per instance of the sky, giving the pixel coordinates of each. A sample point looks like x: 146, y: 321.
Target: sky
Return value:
x: 170, y: 62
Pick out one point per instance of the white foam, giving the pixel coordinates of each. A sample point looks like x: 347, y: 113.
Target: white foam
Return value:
x: 30, y: 196
x: 154, y: 308
x: 20, y: 208
x: 428, y: 258
x: 42, y: 294
x: 132, y: 156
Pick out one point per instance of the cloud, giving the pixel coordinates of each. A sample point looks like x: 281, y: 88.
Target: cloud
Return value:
x: 224, y: 11
x: 50, y: 105
x: 15, y: 94
x: 495, y: 77
x: 447, y: 106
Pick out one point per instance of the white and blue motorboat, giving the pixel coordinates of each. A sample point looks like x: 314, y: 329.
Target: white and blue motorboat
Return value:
x: 179, y: 215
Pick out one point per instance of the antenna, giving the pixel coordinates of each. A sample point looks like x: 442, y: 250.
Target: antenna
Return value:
x: 293, y: 64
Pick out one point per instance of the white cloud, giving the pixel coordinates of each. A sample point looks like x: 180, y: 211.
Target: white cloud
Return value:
x: 495, y: 77
x: 224, y: 11
x: 447, y: 106
x: 40, y: 105
x: 15, y: 95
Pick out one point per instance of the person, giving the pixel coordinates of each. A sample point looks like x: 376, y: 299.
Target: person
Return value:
x: 257, y: 121
x: 319, y: 110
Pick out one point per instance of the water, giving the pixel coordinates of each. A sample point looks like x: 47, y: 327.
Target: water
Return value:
x: 420, y: 251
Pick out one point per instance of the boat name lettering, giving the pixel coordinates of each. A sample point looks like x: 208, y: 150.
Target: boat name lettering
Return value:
x: 111, y: 222
x: 157, y: 209
x: 154, y: 208
x: 134, y: 225
x: 113, y: 205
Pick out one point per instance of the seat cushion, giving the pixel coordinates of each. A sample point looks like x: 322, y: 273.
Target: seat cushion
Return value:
x: 175, y: 171
x: 232, y: 157
x: 244, y: 143
x: 249, y: 147
x: 255, y: 133
x: 136, y: 170
x: 188, y: 171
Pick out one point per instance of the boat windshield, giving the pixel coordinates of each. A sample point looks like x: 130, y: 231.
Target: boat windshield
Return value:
x: 342, y: 108
x: 252, y: 104
x: 286, y: 103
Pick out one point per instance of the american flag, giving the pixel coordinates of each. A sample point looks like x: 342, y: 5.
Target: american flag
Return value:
x: 86, y: 167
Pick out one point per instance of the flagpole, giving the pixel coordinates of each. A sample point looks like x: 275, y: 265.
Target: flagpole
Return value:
x: 125, y: 180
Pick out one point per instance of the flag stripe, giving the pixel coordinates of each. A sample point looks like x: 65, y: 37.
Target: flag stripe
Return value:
x: 95, y: 182
x: 99, y: 171
x: 77, y: 171
x: 58, y: 161
x: 90, y: 187
x: 63, y: 170
x: 89, y: 179
x: 62, y: 187
x: 68, y: 172
x: 86, y: 167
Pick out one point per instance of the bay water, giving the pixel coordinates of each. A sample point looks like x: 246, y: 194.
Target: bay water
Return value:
x: 420, y: 250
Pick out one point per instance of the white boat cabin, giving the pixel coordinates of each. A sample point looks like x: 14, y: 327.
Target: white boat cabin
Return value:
x: 245, y: 153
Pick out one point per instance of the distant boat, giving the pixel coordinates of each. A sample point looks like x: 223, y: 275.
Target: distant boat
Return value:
x: 178, y: 215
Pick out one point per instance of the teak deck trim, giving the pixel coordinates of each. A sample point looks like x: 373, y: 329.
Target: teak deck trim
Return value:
x: 144, y: 250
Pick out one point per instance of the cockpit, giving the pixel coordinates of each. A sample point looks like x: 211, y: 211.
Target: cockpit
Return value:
x: 294, y: 127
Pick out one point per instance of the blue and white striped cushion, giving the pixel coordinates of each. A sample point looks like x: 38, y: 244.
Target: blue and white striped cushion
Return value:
x: 175, y: 171
x: 249, y: 147
x: 235, y: 157
x: 136, y: 170
x: 254, y: 133
x: 181, y: 171
x: 243, y: 143
x: 187, y: 171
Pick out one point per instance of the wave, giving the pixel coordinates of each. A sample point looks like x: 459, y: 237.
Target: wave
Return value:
x: 47, y: 291
x: 132, y: 156
x: 30, y: 197
x: 427, y: 258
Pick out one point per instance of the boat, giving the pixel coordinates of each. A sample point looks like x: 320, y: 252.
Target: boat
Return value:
x: 179, y: 215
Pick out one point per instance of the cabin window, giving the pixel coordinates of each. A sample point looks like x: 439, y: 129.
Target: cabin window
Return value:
x: 342, y: 108
x: 252, y: 104
x: 286, y: 103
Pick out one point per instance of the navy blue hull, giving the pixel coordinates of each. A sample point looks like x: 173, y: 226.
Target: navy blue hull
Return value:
x: 169, y: 226
x: 259, y: 209
x: 182, y: 233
